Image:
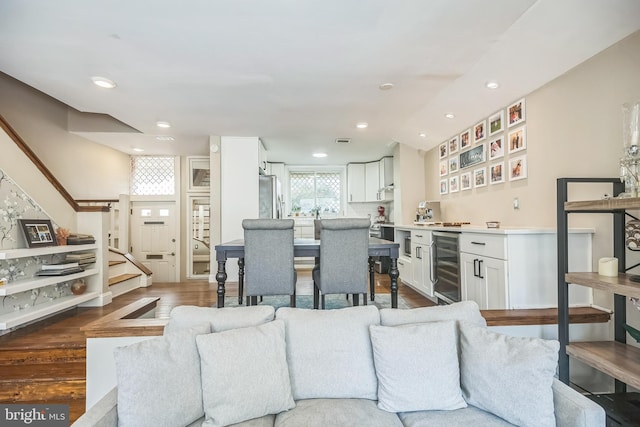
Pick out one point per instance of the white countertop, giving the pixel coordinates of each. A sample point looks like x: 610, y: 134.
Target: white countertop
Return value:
x: 474, y: 228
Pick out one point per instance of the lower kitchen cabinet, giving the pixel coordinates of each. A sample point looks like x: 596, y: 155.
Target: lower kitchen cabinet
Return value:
x: 483, y: 280
x: 405, y: 268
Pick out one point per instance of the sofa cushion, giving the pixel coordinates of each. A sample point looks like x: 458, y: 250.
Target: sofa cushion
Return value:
x: 337, y: 412
x: 221, y: 319
x: 463, y: 311
x: 510, y: 377
x: 157, y: 374
x: 417, y: 367
x: 244, y: 374
x: 329, y: 352
x: 469, y: 416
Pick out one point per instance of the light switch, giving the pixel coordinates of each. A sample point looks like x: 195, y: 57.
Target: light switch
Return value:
x: 516, y: 203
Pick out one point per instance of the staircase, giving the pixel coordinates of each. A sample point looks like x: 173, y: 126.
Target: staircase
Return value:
x: 126, y: 274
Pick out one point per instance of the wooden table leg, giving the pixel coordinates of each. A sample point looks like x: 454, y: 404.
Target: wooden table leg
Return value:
x: 372, y: 279
x: 394, y: 274
x: 221, y: 277
x: 240, y: 280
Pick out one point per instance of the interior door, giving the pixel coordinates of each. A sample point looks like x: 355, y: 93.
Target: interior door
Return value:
x: 153, y: 238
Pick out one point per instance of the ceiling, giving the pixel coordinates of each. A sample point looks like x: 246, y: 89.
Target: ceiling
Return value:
x: 299, y: 73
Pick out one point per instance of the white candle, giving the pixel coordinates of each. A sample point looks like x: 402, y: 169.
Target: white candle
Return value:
x: 608, y: 267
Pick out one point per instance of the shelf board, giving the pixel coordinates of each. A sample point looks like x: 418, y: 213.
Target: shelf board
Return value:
x: 613, y: 358
x: 620, y: 284
x: 47, y: 250
x: 604, y: 205
x: 42, y: 281
x: 17, y: 318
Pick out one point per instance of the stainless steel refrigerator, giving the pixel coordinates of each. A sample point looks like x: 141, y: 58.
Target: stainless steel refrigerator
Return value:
x: 270, y: 203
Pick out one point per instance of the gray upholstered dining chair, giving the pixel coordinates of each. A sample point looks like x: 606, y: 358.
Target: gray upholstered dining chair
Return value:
x: 268, y: 259
x: 344, y: 255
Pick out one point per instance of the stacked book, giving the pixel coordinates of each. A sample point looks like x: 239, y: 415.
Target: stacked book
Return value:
x: 82, y: 258
x: 80, y: 239
x: 61, y: 269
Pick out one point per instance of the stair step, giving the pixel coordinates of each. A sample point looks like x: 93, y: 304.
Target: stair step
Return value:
x: 112, y: 263
x: 43, y: 381
x: 121, y: 278
x: 36, y: 356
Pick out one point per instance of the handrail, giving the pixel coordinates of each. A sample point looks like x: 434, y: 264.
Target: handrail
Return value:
x: 46, y: 172
x: 140, y: 266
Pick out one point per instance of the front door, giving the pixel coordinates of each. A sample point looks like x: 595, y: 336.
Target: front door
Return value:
x: 153, y: 238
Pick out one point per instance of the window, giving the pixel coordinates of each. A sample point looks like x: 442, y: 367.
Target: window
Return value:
x: 152, y: 176
x: 312, y: 191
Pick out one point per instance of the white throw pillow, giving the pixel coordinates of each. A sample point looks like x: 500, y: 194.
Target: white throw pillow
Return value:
x: 244, y: 374
x: 221, y: 319
x: 159, y: 380
x: 463, y: 311
x: 511, y: 377
x: 329, y: 352
x: 417, y: 367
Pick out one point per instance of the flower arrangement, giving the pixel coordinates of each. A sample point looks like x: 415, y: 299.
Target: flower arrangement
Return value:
x: 61, y: 235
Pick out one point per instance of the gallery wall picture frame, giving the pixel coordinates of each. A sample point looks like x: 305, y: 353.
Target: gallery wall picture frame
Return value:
x: 496, y: 148
x: 38, y: 232
x: 496, y: 123
x: 199, y: 174
x: 454, y: 184
x: 516, y: 113
x: 517, y: 139
x: 444, y: 186
x: 453, y: 164
x: 465, y: 181
x: 465, y: 139
x: 518, y: 168
x: 444, y: 168
x: 443, y: 149
x: 480, y: 177
x: 453, y: 145
x: 480, y: 131
x: 472, y: 157
x: 496, y: 173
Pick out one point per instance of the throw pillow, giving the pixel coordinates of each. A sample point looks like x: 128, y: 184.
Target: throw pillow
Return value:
x: 510, y: 377
x: 329, y: 352
x: 464, y: 311
x: 417, y: 367
x: 159, y: 380
x: 221, y: 319
x: 244, y: 374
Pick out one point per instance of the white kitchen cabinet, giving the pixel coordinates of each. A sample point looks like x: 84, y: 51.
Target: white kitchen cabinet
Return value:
x: 371, y: 179
x: 356, y: 182
x: 483, y: 280
x: 262, y: 157
x: 421, y: 261
x: 385, y: 179
x: 405, y: 269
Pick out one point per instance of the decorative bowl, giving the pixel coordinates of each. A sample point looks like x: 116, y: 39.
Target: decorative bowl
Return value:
x: 78, y: 287
x: 493, y: 224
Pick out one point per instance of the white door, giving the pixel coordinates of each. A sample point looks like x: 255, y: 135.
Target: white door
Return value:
x: 153, y: 238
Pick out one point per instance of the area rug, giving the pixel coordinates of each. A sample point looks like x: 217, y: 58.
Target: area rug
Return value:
x: 331, y: 301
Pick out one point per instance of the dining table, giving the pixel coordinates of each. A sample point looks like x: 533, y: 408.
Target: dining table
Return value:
x: 308, y: 248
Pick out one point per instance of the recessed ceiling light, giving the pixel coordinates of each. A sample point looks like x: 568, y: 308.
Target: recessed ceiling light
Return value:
x: 162, y: 124
x: 422, y: 135
x: 362, y: 125
x: 386, y: 86
x: 138, y: 150
x: 165, y: 138
x: 449, y: 115
x: 319, y: 155
x: 103, y: 82
x: 492, y: 85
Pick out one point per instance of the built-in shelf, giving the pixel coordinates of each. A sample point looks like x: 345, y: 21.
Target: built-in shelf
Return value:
x: 38, y: 311
x: 621, y: 361
x: 47, y: 250
x: 604, y: 205
x: 42, y: 281
x: 621, y: 284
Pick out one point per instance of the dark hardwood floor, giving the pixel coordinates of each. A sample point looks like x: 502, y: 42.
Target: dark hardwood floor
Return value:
x: 45, y: 362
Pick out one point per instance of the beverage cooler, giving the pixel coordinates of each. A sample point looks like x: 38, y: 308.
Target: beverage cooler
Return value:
x: 446, y: 261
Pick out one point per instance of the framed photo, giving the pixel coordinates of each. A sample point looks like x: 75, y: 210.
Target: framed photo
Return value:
x: 516, y: 113
x: 465, y: 139
x: 38, y: 232
x: 199, y: 174
x: 518, y: 168
x: 480, y: 131
x: 472, y: 157
x: 465, y: 181
x: 496, y: 173
x: 444, y: 167
x: 480, y: 177
x: 496, y: 123
x: 453, y: 164
x: 444, y: 189
x: 496, y: 148
x: 517, y: 139
x: 453, y: 145
x: 453, y: 184
x: 444, y: 150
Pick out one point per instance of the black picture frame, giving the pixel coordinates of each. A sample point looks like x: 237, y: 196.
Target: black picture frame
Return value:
x: 472, y: 157
x: 38, y: 232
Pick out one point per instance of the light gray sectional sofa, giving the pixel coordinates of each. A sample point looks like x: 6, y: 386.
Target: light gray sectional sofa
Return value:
x: 359, y: 366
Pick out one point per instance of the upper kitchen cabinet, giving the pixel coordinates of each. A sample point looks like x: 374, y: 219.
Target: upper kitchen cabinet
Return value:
x: 385, y: 191
x: 262, y: 157
x: 356, y: 182
x: 371, y: 181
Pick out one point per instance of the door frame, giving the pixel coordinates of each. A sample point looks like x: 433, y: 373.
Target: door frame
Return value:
x: 189, y: 252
